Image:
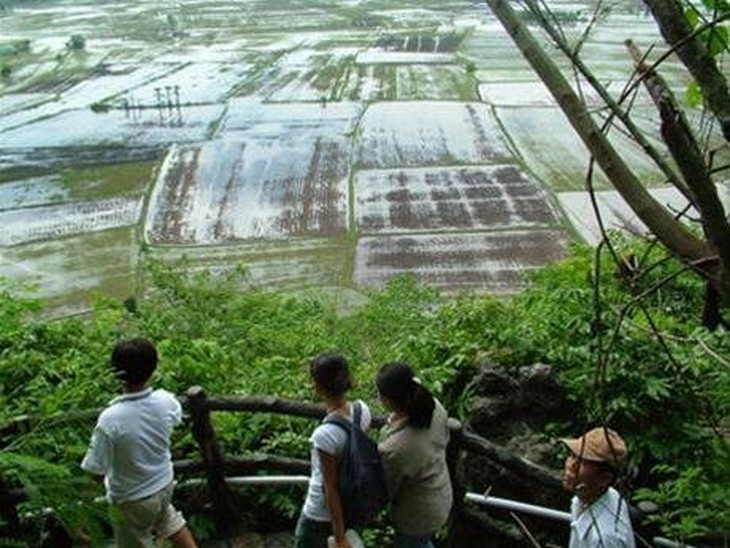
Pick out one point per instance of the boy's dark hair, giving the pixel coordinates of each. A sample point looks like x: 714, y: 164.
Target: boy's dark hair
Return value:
x: 332, y: 373
x: 396, y: 382
x: 134, y: 360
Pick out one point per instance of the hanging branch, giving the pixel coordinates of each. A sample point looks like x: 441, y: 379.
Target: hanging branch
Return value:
x: 674, y: 47
x: 686, y: 152
x: 613, y: 106
x: 699, y: 61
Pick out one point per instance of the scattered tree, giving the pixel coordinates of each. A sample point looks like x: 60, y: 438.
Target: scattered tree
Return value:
x: 171, y: 22
x: 22, y: 46
x: 77, y: 42
x: 100, y: 106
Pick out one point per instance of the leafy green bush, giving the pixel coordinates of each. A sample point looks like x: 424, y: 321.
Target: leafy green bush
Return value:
x: 46, y: 486
x: 77, y: 42
x: 693, y: 500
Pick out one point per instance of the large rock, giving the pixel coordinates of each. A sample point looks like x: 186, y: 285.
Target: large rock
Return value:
x: 512, y: 402
x: 513, y: 408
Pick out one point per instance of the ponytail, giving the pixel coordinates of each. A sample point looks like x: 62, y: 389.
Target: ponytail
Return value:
x: 396, y: 382
x: 421, y: 407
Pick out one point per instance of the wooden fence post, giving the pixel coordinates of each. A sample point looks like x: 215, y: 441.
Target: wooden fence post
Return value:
x: 9, y: 510
x: 225, y: 507
x: 455, y: 462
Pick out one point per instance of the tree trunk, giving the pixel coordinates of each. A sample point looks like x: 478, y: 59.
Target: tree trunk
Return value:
x: 711, y: 316
x: 683, y: 146
x: 663, y: 225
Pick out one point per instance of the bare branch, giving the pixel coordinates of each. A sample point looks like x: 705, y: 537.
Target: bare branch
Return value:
x: 699, y: 61
x: 673, y: 234
x: 525, y: 530
x: 686, y: 152
x: 673, y: 49
x: 614, y: 106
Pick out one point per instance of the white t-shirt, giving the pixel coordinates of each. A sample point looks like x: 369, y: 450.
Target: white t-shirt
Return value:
x: 331, y: 439
x: 130, y: 445
x: 604, y: 524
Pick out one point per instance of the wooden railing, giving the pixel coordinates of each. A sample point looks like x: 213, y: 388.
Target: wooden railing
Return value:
x: 216, y: 466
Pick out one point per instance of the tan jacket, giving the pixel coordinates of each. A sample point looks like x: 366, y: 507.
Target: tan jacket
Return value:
x: 416, y: 475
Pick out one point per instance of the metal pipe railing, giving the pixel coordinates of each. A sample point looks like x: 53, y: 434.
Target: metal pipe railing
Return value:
x: 485, y: 500
x: 252, y: 480
x: 549, y: 513
x: 525, y: 508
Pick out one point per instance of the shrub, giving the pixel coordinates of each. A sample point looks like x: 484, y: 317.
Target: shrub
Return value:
x: 77, y: 42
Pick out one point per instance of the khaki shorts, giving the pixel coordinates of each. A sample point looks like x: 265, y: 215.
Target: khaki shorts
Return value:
x: 138, y: 523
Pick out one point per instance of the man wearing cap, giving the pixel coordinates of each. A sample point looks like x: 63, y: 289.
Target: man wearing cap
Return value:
x: 599, y: 515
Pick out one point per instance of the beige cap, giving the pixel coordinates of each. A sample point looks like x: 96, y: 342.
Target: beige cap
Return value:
x: 598, y: 445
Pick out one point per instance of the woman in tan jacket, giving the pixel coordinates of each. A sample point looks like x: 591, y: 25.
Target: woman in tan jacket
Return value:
x: 413, y: 450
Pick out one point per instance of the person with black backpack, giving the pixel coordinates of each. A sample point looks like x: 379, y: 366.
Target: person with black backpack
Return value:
x: 413, y: 451
x: 324, y: 512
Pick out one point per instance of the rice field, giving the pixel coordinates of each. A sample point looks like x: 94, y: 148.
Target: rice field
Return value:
x: 442, y: 199
x: 317, y: 144
x: 497, y: 260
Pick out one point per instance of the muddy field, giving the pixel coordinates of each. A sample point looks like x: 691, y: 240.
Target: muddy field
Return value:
x: 230, y: 190
x: 488, y: 197
x: 497, y: 260
x: 331, y: 144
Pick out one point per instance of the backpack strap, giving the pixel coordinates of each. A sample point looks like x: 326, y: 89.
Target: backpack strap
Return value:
x: 342, y: 422
x: 357, y: 414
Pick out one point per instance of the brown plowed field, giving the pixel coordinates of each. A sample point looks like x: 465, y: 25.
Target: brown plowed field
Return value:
x: 449, y: 198
x: 484, y: 261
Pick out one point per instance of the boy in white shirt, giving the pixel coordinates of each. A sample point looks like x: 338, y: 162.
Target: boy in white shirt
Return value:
x: 130, y: 447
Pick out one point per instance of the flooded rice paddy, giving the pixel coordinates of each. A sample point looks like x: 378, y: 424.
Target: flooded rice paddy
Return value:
x: 331, y: 143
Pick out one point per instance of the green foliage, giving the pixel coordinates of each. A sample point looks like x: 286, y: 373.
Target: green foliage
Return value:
x: 693, y: 95
x: 220, y: 332
x: 22, y: 46
x: 51, y: 486
x: 644, y: 376
x: 716, y: 38
x: 665, y: 391
x: 14, y: 48
x: 77, y: 42
x: 100, y: 106
x: 693, y: 501
x: 721, y: 7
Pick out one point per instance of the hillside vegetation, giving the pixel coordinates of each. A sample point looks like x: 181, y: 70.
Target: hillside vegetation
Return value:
x: 644, y: 365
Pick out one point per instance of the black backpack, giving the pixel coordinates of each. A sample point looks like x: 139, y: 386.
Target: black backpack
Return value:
x: 359, y: 473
